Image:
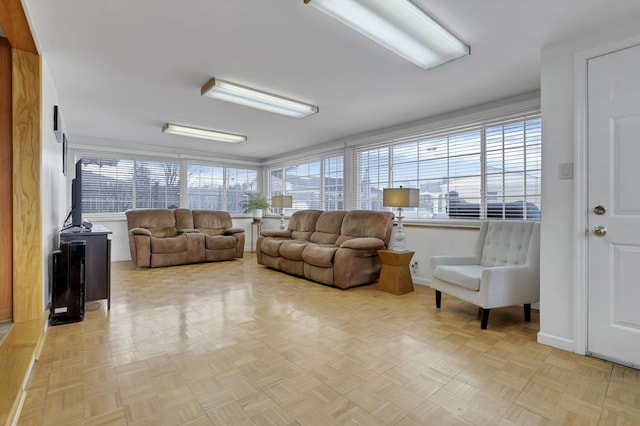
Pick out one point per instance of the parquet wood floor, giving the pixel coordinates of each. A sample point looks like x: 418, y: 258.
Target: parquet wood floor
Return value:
x: 232, y: 343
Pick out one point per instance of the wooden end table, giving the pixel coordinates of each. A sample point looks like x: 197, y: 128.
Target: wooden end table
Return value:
x: 395, y: 276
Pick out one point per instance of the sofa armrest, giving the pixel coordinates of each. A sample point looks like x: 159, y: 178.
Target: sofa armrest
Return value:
x: 139, y: 231
x: 285, y: 233
x: 452, y: 260
x: 364, y: 243
x: 511, y: 285
x: 231, y: 231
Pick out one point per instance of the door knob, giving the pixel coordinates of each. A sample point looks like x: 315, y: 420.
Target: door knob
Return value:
x: 600, y: 231
x: 599, y: 210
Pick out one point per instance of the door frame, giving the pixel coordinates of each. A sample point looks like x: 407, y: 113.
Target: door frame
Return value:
x: 580, y: 188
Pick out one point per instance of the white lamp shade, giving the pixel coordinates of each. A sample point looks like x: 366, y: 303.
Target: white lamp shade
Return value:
x: 282, y: 201
x: 400, y: 197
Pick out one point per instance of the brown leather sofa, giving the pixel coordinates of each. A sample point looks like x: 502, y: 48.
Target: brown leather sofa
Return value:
x: 335, y: 248
x: 164, y: 237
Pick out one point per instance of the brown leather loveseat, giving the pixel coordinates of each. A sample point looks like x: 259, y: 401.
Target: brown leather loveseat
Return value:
x: 164, y: 237
x: 335, y: 248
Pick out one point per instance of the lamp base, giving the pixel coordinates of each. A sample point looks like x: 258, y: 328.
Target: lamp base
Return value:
x: 282, y: 221
x: 398, y: 241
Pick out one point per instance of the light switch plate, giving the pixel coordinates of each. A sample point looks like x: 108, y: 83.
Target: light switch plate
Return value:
x: 566, y: 171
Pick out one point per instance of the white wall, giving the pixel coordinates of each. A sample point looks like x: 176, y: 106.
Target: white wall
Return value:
x: 53, y: 183
x: 559, y: 236
x: 435, y: 241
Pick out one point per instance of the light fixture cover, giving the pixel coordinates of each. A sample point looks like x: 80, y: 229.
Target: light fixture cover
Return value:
x: 398, y: 25
x: 400, y: 197
x: 231, y: 92
x: 282, y: 201
x: 178, y: 129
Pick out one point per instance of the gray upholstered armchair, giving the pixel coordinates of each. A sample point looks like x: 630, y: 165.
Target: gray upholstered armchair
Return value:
x: 503, y: 270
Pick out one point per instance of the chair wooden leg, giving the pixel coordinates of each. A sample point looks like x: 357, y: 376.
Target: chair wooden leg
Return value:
x: 527, y: 312
x: 485, y: 318
x: 438, y: 299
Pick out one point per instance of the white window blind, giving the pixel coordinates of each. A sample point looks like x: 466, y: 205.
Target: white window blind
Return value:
x: 113, y: 185
x: 487, y: 169
x: 107, y: 184
x: 157, y: 184
x: 239, y: 182
x: 219, y: 188
x: 205, y: 187
x: 313, y: 184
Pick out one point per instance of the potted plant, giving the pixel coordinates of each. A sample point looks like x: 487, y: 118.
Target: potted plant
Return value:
x: 254, y: 203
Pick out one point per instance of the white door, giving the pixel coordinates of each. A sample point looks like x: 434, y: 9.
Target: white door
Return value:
x: 613, y: 97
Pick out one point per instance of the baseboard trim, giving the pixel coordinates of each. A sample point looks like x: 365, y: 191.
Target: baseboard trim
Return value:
x: 555, y: 341
x: 421, y: 281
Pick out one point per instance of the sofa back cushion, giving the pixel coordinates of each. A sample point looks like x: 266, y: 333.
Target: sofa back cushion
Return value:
x: 160, y: 222
x: 328, y: 227
x: 184, y: 218
x: 303, y: 223
x: 366, y: 223
x: 506, y: 243
x: 211, y: 219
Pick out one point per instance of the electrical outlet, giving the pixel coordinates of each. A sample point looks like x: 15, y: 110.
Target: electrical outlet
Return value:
x: 414, y: 266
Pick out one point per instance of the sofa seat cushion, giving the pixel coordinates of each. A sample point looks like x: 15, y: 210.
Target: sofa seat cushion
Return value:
x: 319, y: 255
x: 220, y: 242
x: 467, y: 276
x: 164, y: 232
x: 211, y: 231
x: 293, y: 249
x: 169, y: 245
x: 370, y: 244
x: 271, y: 246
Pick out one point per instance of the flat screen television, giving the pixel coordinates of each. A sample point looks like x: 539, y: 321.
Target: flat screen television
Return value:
x: 76, y: 225
x: 76, y: 196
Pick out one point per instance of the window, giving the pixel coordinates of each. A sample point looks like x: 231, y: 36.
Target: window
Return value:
x: 219, y: 188
x: 480, y: 170
x: 205, y: 187
x: 112, y: 185
x: 315, y: 184
x: 157, y: 184
x: 107, y: 184
x: 489, y: 168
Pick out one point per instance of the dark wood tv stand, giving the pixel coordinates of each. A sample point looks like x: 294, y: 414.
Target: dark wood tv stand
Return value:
x: 97, y: 260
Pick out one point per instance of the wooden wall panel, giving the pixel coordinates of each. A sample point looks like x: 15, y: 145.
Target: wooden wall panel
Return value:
x: 27, y: 215
x: 6, y: 189
x: 15, y: 25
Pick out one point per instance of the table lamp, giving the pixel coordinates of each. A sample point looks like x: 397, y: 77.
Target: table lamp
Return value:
x: 400, y: 197
x: 282, y: 202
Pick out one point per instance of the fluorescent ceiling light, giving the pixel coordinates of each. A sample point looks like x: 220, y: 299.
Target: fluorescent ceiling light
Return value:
x: 399, y: 26
x: 242, y: 95
x: 194, y: 132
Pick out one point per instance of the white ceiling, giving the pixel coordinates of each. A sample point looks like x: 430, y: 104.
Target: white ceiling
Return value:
x: 124, y: 68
